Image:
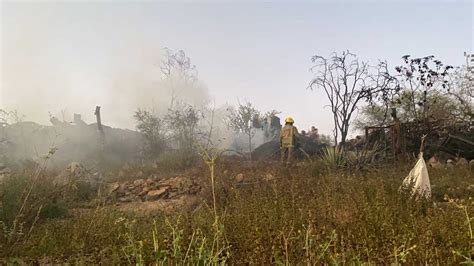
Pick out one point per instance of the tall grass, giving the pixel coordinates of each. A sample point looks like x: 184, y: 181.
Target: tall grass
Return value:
x: 302, y: 216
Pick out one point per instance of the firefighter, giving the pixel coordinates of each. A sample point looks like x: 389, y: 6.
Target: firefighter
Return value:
x: 288, y: 140
x: 313, y: 134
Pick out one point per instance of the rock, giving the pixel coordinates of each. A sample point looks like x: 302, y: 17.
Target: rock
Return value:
x: 156, y: 194
x: 152, y: 190
x: 144, y: 191
x: 138, y: 182
x: 240, y: 177
x: 137, y: 190
x: 114, y: 187
x: 149, y: 181
x: 172, y: 194
x: 269, y: 177
x: 125, y: 199
x: 462, y: 162
x: 173, y: 182
x: 449, y: 163
x: 434, y: 162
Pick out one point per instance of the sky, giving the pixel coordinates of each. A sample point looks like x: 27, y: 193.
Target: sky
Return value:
x: 67, y: 57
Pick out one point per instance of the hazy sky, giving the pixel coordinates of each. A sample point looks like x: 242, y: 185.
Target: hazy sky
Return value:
x: 72, y: 56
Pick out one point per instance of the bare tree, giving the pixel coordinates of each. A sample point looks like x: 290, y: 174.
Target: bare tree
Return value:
x: 10, y: 117
x: 178, y: 70
x: 241, y: 120
x: 348, y: 82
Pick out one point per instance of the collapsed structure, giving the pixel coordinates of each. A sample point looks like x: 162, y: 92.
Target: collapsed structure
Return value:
x: 445, y: 138
x: 74, y: 141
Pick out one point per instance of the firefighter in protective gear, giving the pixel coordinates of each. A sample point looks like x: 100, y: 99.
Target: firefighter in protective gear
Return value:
x: 288, y: 140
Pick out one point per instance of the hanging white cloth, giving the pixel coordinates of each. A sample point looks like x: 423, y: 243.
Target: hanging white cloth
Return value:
x: 418, y: 179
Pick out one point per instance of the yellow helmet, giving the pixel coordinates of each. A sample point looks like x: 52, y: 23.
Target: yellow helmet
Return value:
x: 289, y: 120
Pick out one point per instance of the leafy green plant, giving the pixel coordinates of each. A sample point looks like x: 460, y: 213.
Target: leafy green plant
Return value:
x: 364, y: 157
x: 333, y: 157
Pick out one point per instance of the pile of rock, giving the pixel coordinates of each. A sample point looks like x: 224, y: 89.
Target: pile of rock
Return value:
x: 151, y: 189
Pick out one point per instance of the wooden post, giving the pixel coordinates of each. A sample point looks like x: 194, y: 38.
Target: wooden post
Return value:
x: 97, y: 114
x: 99, y: 127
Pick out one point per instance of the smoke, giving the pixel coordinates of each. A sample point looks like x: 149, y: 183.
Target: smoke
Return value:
x: 61, y: 59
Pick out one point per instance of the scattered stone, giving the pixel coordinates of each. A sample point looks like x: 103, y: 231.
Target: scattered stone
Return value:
x: 156, y: 194
x: 462, y: 162
x: 239, y: 178
x: 138, y: 182
x: 125, y: 199
x: 114, y: 187
x: 269, y: 177
x: 434, y: 162
x: 149, y: 181
x: 449, y: 163
x: 172, y: 194
x: 154, y: 189
x: 172, y: 182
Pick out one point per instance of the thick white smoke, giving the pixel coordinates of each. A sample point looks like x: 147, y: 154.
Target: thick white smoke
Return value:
x: 56, y: 61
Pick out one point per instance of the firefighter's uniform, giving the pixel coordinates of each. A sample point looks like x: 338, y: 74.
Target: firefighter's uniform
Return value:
x: 288, y: 140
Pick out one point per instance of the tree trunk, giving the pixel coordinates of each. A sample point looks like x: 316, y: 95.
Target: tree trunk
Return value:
x: 100, y: 128
x: 250, y: 145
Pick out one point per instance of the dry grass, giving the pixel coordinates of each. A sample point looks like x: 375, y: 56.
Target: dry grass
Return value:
x: 303, y: 215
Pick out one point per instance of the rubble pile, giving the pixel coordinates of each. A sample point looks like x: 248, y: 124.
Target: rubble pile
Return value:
x: 151, y: 189
x: 74, y: 142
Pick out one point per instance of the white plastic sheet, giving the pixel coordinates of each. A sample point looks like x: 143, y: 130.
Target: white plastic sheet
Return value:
x: 418, y: 179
